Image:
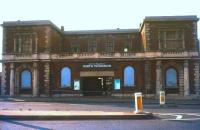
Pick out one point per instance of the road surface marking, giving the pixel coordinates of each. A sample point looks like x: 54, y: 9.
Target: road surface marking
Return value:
x: 179, y: 116
x: 188, y: 119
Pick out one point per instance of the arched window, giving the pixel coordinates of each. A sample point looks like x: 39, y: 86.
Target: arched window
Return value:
x: 65, y: 77
x: 129, y: 76
x: 171, y: 77
x: 26, y: 79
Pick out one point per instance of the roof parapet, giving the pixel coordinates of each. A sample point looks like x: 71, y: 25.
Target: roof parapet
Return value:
x: 171, y: 18
x: 105, y: 31
x: 30, y: 23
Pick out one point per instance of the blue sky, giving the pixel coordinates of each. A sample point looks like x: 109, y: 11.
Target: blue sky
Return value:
x: 94, y: 14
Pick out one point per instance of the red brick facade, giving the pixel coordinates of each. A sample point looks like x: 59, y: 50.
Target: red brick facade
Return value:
x: 44, y: 50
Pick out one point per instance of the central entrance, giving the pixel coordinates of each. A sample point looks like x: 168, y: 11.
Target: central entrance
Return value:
x: 93, y: 86
x: 96, y: 83
x: 96, y: 86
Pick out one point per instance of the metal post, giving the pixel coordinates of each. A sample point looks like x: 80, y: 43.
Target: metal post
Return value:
x: 162, y: 97
x: 138, y: 102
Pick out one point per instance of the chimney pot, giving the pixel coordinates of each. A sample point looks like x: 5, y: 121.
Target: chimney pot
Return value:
x: 62, y: 28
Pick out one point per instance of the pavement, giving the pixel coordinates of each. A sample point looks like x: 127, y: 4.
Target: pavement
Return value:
x: 61, y: 109
x: 99, y: 99
x: 70, y: 115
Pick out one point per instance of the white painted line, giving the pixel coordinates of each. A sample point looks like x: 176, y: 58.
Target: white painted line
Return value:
x: 178, y: 117
x: 188, y: 119
x: 193, y: 114
x: 177, y: 113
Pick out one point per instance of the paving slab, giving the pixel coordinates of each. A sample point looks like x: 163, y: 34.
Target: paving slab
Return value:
x: 98, y: 100
x: 70, y: 115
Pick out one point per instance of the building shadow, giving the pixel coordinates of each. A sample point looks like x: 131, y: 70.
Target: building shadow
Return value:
x: 25, y: 125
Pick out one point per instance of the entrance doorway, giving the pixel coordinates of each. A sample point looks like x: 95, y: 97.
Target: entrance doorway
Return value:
x: 96, y: 86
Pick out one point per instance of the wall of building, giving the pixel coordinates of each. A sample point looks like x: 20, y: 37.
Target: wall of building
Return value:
x: 150, y: 33
x: 101, y: 39
x: 52, y: 51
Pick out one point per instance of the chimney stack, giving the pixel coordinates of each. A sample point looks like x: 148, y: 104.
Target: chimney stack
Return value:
x: 62, y: 28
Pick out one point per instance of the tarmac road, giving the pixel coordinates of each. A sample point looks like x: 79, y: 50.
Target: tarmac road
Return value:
x: 155, y: 124
x: 173, y: 117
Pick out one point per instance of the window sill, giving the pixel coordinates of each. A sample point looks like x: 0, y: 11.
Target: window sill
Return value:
x: 129, y: 86
x: 172, y: 87
x: 65, y: 87
x: 25, y: 88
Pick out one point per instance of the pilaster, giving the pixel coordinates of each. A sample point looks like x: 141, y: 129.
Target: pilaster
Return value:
x: 36, y: 44
x: 159, y: 85
x: 47, y: 39
x: 4, y: 40
x: 35, y: 79
x: 148, y: 35
x: 3, y: 80
x: 197, y: 78
x: 147, y: 70
x: 12, y: 82
x: 181, y: 81
x: 46, y: 77
x: 195, y: 37
x: 186, y: 78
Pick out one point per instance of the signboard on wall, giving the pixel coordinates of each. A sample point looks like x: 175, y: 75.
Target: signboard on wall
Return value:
x: 96, y: 65
x: 117, y: 84
x: 76, y: 84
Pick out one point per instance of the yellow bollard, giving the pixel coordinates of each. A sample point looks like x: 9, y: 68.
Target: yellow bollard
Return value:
x: 138, y: 103
x: 162, y: 97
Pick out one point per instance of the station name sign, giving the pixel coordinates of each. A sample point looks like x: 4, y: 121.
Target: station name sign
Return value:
x: 97, y: 65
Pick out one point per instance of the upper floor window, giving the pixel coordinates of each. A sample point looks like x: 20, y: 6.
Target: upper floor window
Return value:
x: 75, y: 47
x: 25, y: 43
x: 109, y: 46
x: 92, y: 46
x: 171, y: 39
x: 128, y: 46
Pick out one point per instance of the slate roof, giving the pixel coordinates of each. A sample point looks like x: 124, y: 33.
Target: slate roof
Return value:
x: 30, y: 23
x: 26, y: 23
x: 78, y: 32
x: 172, y: 18
x: 106, y: 31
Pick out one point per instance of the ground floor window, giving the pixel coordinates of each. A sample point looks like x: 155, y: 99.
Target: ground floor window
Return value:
x: 26, y: 79
x: 129, y: 76
x: 65, y: 77
x: 171, y: 78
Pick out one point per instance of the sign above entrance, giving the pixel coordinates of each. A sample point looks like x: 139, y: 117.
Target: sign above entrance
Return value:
x: 97, y: 65
x: 96, y: 73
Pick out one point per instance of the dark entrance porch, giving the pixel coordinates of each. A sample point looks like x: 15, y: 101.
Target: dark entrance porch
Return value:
x: 96, y: 86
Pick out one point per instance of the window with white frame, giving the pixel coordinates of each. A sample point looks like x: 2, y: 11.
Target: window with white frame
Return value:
x: 75, y: 47
x: 109, y: 46
x: 25, y: 42
x: 171, y: 39
x: 128, y: 46
x: 92, y: 46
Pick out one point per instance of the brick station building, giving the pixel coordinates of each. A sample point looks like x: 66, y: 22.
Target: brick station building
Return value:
x: 40, y: 59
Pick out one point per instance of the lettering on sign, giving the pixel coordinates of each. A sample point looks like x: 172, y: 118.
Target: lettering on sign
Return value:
x: 97, y: 65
